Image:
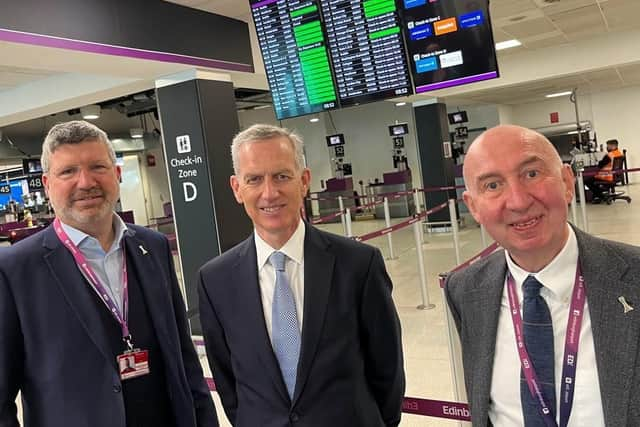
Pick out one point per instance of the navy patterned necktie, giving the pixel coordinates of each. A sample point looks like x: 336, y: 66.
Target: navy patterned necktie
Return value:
x: 284, y: 324
x: 538, y: 337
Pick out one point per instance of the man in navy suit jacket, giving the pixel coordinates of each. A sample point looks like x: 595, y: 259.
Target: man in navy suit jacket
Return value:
x: 81, y: 293
x: 342, y: 359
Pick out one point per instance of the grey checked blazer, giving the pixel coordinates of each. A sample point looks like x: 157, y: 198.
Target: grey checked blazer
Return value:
x: 610, y: 270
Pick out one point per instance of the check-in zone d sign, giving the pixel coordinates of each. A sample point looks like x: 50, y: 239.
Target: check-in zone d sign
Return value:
x: 187, y: 167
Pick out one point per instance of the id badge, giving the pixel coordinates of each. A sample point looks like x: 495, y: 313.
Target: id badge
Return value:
x: 133, y: 363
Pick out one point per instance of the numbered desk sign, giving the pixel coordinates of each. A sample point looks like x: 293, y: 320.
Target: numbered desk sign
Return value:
x: 35, y: 183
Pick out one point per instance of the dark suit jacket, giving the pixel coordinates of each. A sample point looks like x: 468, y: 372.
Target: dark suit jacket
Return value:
x: 52, y: 347
x: 350, y: 371
x: 610, y: 270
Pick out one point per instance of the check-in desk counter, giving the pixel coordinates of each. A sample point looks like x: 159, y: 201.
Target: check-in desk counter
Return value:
x: 328, y: 202
x: 394, y: 182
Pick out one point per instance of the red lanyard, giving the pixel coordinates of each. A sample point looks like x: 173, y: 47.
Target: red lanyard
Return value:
x: 81, y: 261
x: 572, y: 342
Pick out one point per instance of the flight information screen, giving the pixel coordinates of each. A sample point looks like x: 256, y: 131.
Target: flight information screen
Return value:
x: 449, y: 42
x: 295, y: 56
x: 367, y: 50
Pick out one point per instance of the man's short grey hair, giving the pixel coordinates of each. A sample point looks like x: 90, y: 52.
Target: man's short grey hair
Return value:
x: 73, y: 132
x: 262, y: 132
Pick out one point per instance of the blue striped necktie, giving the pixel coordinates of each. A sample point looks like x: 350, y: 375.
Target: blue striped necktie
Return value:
x: 284, y: 324
x: 538, y: 337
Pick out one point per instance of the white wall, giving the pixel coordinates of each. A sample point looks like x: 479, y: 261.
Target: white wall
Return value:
x: 536, y: 114
x: 368, y: 145
x: 613, y: 114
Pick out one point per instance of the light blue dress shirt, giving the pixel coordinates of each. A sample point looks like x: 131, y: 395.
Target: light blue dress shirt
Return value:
x: 106, y: 265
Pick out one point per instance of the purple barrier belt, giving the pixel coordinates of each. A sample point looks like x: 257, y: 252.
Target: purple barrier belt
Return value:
x: 398, y: 226
x: 618, y: 172
x: 484, y: 253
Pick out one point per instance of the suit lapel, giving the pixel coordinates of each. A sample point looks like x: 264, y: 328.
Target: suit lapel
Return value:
x: 318, y: 271
x: 245, y: 275
x: 143, y: 264
x: 482, y: 310
x: 76, y: 290
x: 604, y: 273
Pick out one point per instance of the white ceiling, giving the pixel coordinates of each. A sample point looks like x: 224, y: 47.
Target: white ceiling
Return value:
x: 540, y: 25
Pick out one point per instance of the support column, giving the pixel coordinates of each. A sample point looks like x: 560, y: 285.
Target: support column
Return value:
x: 199, y: 119
x: 434, y: 151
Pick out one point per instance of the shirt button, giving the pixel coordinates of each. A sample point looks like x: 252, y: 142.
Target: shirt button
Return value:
x: 294, y: 418
x: 117, y: 388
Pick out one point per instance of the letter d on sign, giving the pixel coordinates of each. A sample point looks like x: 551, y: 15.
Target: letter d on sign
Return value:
x: 190, y: 191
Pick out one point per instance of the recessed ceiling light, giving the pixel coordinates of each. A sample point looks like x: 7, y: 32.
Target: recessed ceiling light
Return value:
x: 555, y: 95
x: 400, y: 104
x: 314, y: 120
x: 90, y: 112
x: 508, y: 44
x: 136, y: 133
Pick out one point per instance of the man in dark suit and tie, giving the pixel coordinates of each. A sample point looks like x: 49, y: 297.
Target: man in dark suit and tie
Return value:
x: 84, y: 295
x: 549, y: 326
x: 299, y: 324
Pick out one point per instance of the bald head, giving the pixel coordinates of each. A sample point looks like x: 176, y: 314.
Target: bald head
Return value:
x: 502, y: 139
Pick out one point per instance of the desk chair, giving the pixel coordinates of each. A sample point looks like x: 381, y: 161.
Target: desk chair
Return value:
x: 609, y: 188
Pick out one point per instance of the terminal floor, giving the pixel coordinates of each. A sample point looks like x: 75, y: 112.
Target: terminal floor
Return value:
x: 424, y: 337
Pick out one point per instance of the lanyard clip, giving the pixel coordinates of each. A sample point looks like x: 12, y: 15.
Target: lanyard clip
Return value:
x: 128, y: 342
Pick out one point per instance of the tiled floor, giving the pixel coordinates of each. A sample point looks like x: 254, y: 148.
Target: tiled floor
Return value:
x: 424, y: 336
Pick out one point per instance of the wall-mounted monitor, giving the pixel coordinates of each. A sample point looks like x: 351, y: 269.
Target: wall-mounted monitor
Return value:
x: 398, y: 129
x: 449, y: 42
x: 31, y: 166
x: 291, y: 38
x: 458, y: 117
x: 367, y: 50
x: 337, y: 139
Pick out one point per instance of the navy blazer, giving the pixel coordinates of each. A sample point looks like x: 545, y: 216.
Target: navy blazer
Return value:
x: 350, y: 371
x: 53, y: 347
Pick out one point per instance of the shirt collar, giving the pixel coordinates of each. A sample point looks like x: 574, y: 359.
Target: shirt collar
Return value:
x: 293, y: 249
x: 79, y: 237
x: 559, y: 275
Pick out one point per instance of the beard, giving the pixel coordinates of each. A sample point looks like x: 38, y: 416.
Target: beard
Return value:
x: 70, y: 213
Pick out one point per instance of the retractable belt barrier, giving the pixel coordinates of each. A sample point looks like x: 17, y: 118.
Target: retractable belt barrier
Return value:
x: 399, y: 225
x: 410, y: 405
x: 612, y: 172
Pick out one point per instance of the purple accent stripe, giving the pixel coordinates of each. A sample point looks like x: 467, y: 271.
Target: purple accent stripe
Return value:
x: 262, y: 3
x: 457, y: 82
x: 91, y: 47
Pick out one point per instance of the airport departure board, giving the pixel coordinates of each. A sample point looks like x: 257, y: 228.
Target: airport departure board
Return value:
x: 450, y: 42
x: 367, y: 50
x: 296, y: 60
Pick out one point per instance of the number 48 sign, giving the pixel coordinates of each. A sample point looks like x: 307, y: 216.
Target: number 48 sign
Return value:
x: 35, y: 183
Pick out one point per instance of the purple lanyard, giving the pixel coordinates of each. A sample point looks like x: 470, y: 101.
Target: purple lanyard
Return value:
x: 571, y: 344
x: 81, y: 261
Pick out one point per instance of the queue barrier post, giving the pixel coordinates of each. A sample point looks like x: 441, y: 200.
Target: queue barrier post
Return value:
x: 342, y: 220
x: 574, y: 210
x: 416, y: 202
x: 483, y: 236
x: 348, y: 222
x: 426, y: 304
x: 387, y: 220
x: 454, y: 228
x: 583, y: 201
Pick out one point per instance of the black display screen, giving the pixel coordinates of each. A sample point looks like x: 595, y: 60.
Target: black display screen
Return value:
x: 449, y: 42
x: 337, y: 139
x: 458, y: 117
x: 367, y: 50
x: 399, y: 129
x: 296, y: 60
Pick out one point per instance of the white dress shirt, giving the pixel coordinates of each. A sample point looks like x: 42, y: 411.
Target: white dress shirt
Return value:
x: 558, y: 278
x: 294, y: 269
